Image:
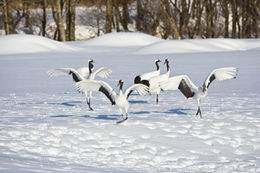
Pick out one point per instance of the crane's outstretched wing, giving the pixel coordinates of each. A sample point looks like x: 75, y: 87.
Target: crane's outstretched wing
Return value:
x: 96, y: 85
x: 149, y: 75
x: 66, y: 71
x: 220, y: 74
x: 102, y: 72
x: 84, y: 71
x: 182, y: 82
x: 140, y: 88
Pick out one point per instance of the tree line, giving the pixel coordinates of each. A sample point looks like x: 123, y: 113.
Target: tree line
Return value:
x: 168, y: 19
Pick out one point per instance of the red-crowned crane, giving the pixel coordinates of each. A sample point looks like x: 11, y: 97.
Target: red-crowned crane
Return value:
x: 189, y: 90
x: 82, y: 74
x: 121, y: 100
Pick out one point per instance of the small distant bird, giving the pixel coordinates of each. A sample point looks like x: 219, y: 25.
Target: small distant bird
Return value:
x: 154, y: 82
x: 189, y: 90
x: 146, y: 76
x: 120, y: 100
x: 82, y: 74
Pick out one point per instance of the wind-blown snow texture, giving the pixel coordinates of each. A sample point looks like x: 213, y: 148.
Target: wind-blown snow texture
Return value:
x: 45, y: 124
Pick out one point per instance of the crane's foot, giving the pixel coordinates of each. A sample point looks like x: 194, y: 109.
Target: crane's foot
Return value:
x: 124, y: 119
x: 120, y: 121
x: 199, y: 112
x: 90, y: 108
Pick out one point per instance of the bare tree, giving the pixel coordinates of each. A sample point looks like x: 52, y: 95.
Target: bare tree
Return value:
x: 140, y: 15
x: 99, y: 11
x: 126, y: 18
x: 70, y: 19
x: 117, y: 14
x: 109, y: 15
x: 8, y: 17
x: 59, y: 22
x: 225, y: 11
x: 172, y: 24
x: 44, y: 16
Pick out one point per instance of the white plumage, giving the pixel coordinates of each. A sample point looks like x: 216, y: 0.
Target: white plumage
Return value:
x: 189, y: 90
x: 76, y: 75
x: 82, y: 74
x: 120, y: 100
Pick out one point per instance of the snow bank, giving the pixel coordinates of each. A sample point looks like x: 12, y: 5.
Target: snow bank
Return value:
x: 123, y: 39
x: 201, y: 45
x: 19, y: 43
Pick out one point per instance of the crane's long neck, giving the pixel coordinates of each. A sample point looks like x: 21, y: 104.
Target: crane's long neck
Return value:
x: 167, y: 66
x: 90, y: 67
x: 121, y: 88
x: 157, y: 65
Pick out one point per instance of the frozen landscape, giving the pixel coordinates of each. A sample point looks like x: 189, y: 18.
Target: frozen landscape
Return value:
x: 46, y: 126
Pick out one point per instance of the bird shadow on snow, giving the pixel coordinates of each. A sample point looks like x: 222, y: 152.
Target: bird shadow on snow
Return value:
x: 140, y: 112
x: 70, y: 103
x: 178, y: 111
x: 137, y: 102
x: 104, y: 117
x: 60, y: 116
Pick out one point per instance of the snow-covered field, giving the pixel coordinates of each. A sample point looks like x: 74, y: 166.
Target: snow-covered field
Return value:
x: 45, y: 124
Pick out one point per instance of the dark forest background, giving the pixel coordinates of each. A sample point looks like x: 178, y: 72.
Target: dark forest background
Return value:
x: 168, y: 19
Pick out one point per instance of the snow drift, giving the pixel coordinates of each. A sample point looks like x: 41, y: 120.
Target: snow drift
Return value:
x: 201, y: 45
x: 123, y: 39
x: 20, y: 43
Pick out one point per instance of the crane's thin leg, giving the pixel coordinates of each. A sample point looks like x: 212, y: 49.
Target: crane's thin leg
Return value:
x: 157, y: 99
x: 123, y: 118
x: 198, y: 111
x: 88, y: 102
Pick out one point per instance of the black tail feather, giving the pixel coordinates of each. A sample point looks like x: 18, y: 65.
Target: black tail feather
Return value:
x: 145, y: 82
x: 137, y: 79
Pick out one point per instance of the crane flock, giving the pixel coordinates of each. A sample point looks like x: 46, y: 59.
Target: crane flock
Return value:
x: 148, y: 83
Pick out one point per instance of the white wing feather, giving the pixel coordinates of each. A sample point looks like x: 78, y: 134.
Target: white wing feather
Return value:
x: 64, y: 71
x: 140, y: 88
x: 174, y: 82
x: 102, y: 72
x: 84, y: 71
x: 59, y: 72
x: 222, y: 74
x: 149, y: 75
x: 94, y: 85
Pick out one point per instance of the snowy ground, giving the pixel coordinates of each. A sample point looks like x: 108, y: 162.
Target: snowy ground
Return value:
x: 45, y: 125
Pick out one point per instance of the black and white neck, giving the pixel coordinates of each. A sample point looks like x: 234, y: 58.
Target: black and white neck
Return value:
x: 90, y: 65
x: 157, y: 64
x: 167, y: 64
x: 120, y: 84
